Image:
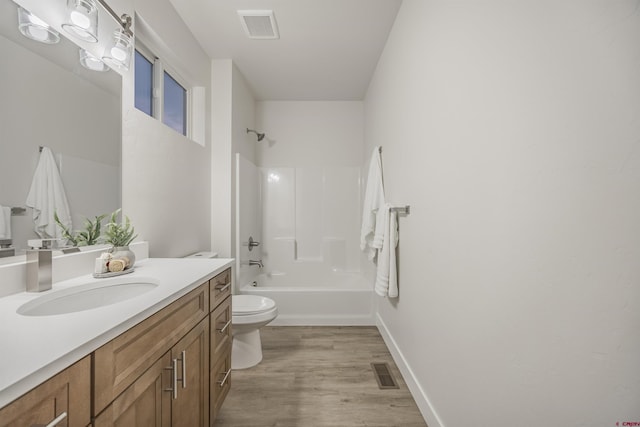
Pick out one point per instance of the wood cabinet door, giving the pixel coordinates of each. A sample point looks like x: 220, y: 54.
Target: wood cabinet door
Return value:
x: 145, y: 403
x: 191, y: 407
x: 67, y: 392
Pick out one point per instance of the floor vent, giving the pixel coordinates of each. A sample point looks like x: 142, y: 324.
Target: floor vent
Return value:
x: 383, y: 376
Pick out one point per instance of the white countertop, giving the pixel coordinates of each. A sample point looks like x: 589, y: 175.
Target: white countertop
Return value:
x: 34, y: 348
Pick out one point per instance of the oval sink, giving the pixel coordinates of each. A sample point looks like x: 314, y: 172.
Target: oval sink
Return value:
x: 88, y: 296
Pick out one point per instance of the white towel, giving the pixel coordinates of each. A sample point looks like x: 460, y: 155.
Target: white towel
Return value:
x: 387, y: 273
x: 373, y: 201
x: 47, y: 197
x: 5, y: 222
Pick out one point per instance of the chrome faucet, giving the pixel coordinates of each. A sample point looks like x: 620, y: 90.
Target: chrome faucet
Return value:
x: 253, y: 262
x: 39, y: 265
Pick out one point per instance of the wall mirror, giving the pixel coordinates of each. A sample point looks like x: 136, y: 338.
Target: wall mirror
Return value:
x: 49, y: 99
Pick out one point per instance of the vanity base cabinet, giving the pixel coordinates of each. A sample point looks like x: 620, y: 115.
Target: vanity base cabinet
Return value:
x: 122, y: 360
x: 66, y: 393
x: 146, y: 403
x: 171, y: 369
x: 174, y: 391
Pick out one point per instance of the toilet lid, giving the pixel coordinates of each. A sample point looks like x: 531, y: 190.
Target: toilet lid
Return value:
x: 250, y: 304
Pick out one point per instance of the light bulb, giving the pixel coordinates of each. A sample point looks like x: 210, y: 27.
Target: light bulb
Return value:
x: 80, y: 19
x: 118, y: 53
x: 38, y: 33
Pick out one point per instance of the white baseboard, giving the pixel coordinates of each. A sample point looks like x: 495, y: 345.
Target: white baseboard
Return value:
x: 426, y: 409
x: 322, y: 320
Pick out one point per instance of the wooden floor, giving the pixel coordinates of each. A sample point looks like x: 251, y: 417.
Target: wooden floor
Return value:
x: 317, y: 377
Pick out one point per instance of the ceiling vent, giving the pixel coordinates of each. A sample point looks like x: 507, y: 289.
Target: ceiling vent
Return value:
x: 259, y: 24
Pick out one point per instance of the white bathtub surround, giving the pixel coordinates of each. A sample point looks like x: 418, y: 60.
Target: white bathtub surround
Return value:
x: 307, y: 300
x: 373, y: 201
x: 386, y: 272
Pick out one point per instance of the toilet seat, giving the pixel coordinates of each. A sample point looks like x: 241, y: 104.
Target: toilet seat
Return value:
x: 247, y: 305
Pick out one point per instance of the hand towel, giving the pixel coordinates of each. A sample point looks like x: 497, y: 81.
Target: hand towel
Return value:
x: 47, y: 197
x: 373, y: 201
x: 5, y: 222
x: 387, y: 274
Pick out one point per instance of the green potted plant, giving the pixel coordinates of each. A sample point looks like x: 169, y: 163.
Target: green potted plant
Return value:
x: 87, y: 237
x: 119, y: 236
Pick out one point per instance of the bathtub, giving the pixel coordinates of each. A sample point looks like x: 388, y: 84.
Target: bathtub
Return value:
x: 339, y: 300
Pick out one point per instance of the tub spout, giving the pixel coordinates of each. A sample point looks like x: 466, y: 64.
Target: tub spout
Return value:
x: 253, y: 262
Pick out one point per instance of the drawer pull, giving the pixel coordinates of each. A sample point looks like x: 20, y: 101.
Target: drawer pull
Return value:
x: 224, y: 328
x: 184, y: 369
x: 222, y: 287
x: 224, y: 380
x: 55, y: 422
x: 174, y: 378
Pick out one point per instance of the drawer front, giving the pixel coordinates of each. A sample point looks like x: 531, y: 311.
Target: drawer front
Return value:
x: 220, y: 383
x: 121, y: 361
x: 220, y: 330
x: 220, y: 288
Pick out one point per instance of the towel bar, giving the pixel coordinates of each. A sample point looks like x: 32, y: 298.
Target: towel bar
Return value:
x: 18, y: 211
x: 402, y: 209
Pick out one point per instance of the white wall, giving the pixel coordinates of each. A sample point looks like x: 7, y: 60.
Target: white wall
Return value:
x: 166, y: 176
x: 232, y: 113
x: 511, y: 128
x: 310, y: 161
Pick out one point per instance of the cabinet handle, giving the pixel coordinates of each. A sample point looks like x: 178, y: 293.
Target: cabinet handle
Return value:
x: 224, y: 380
x: 224, y: 328
x: 222, y: 287
x: 59, y: 418
x: 174, y: 378
x: 184, y: 369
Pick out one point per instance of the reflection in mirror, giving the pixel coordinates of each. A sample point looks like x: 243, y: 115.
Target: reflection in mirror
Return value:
x: 49, y: 99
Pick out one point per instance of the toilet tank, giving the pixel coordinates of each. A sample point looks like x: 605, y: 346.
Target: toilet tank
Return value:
x: 203, y: 255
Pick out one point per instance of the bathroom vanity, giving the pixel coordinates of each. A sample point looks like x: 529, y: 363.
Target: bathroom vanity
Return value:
x: 160, y: 358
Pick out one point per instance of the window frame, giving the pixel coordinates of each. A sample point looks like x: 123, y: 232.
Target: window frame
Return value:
x: 159, y: 67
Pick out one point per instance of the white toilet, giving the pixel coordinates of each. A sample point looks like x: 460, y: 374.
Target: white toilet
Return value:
x: 249, y: 314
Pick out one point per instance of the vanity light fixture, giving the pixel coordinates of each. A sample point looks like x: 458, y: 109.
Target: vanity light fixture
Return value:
x: 35, y: 28
x: 91, y: 62
x: 119, y: 50
x: 82, y: 20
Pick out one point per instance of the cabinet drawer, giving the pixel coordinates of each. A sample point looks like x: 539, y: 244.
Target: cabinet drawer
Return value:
x: 67, y: 392
x: 220, y: 382
x: 220, y: 288
x: 120, y: 362
x: 220, y: 330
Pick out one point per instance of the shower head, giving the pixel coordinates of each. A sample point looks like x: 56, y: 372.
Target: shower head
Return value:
x: 258, y: 134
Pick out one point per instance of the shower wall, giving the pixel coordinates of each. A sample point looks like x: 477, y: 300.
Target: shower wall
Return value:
x: 310, y: 220
x: 310, y: 178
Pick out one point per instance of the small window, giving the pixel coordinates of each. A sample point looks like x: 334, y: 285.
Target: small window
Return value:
x: 144, y: 84
x: 175, y: 105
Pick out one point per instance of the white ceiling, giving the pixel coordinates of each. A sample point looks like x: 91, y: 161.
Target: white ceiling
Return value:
x: 328, y: 49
